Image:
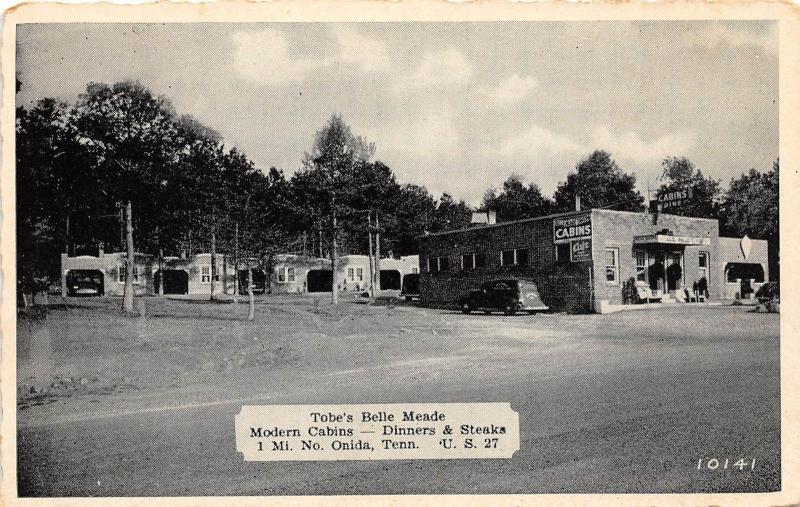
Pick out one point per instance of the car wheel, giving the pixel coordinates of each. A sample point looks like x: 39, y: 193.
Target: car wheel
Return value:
x: 487, y: 312
x: 509, y: 309
x: 408, y: 299
x: 465, y: 309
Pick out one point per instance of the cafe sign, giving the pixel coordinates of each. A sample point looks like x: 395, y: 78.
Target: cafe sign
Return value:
x: 567, y: 229
x: 580, y: 250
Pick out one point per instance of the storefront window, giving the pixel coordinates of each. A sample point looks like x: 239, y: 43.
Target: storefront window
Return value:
x: 518, y: 256
x: 612, y: 266
x: 507, y: 258
x: 433, y: 264
x: 562, y: 253
x: 521, y: 257
x: 702, y: 262
x: 467, y: 262
x: 641, y: 266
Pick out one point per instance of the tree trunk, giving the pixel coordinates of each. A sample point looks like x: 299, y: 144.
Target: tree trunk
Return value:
x: 127, y: 299
x: 334, y: 287
x: 213, y: 262
x: 250, y: 298
x: 236, y: 264
x: 371, y: 258
x: 160, y: 272
x: 377, y: 254
x: 224, y: 272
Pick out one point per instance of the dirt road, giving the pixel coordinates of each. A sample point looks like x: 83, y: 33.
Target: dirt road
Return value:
x: 620, y: 403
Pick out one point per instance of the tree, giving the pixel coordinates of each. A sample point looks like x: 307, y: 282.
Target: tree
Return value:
x: 679, y: 174
x: 516, y: 201
x: 750, y: 207
x: 600, y: 183
x: 450, y: 214
x: 128, y: 131
x: 328, y: 167
x: 52, y: 180
x: 414, y: 215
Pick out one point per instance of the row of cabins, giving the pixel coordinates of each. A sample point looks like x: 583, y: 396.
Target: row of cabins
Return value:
x: 580, y: 261
x: 105, y: 274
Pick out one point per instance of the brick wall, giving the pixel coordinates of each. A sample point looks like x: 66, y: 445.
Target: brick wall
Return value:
x: 616, y: 229
x: 563, y: 287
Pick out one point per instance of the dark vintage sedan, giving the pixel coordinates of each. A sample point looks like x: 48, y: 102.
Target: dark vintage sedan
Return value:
x: 509, y: 296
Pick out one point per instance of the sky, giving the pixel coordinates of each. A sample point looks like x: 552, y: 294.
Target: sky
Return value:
x: 456, y: 107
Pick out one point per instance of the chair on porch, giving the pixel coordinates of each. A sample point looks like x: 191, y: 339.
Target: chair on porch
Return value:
x: 645, y: 293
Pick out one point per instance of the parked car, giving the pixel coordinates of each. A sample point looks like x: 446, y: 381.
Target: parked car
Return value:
x: 410, y: 289
x: 85, y: 283
x: 508, y: 296
x: 770, y: 291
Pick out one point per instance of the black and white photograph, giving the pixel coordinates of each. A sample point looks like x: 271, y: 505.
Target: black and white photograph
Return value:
x: 420, y: 257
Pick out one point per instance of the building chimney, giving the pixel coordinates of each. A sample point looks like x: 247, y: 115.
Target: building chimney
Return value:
x: 491, y: 217
x: 577, y: 202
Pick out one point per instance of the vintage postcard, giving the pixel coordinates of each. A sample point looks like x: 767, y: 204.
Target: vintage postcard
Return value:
x: 423, y: 252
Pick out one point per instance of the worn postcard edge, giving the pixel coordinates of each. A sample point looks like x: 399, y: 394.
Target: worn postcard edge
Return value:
x: 788, y: 17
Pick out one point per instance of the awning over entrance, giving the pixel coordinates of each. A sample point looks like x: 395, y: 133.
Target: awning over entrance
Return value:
x: 666, y: 239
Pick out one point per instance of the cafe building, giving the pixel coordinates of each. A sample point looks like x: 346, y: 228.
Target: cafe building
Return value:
x: 589, y: 260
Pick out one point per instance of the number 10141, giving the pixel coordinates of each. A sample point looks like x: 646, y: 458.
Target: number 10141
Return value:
x: 726, y: 464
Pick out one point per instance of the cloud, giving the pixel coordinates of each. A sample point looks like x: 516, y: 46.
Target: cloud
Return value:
x: 431, y: 132
x: 630, y: 146
x: 264, y: 57
x: 368, y: 54
x: 439, y: 69
x: 714, y: 35
x: 535, y: 141
x: 513, y: 89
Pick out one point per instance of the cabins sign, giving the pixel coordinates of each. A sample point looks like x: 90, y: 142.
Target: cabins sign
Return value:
x: 675, y: 197
x: 575, y: 227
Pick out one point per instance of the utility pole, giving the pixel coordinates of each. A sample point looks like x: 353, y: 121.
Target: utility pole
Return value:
x: 127, y: 299
x: 236, y: 263
x: 377, y: 253
x: 371, y: 259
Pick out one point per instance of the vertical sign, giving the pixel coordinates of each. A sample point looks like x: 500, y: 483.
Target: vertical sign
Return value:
x: 580, y: 250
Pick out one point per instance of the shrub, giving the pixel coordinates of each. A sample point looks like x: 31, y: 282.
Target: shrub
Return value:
x: 630, y: 295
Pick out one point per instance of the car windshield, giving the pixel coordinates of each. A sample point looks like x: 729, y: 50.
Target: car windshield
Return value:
x: 501, y: 286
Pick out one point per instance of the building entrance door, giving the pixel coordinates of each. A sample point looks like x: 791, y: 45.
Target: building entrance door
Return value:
x: 674, y: 263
